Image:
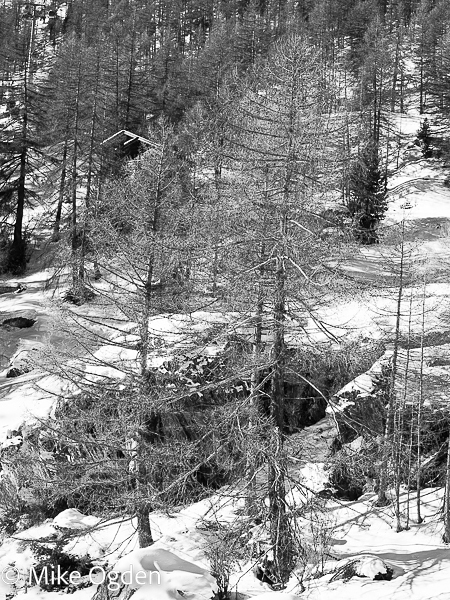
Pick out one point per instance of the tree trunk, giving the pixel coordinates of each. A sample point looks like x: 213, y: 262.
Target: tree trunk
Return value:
x: 446, y: 536
x: 142, y: 512
x: 17, y: 253
x: 90, y: 170
x: 62, y: 185
x: 144, y: 529
x: 255, y: 389
x: 396, y: 68
x: 399, y: 434
x: 153, y: 226
x: 77, y: 282
x: 280, y: 531
x: 386, y: 450
x: 419, y: 409
x: 421, y: 83
x: 130, y: 75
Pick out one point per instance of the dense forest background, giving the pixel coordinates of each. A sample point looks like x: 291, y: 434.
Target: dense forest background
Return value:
x: 108, y: 66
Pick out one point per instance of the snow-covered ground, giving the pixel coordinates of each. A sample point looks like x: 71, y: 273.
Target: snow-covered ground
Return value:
x: 420, y: 562
x: 19, y: 400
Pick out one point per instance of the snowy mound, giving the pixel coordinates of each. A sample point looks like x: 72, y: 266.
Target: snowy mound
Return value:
x: 74, y: 519
x: 160, y: 575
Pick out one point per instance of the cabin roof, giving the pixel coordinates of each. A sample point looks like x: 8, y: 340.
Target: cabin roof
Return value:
x: 132, y: 137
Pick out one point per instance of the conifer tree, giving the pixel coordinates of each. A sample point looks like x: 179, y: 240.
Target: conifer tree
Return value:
x: 429, y: 30
x: 275, y: 138
x: 149, y: 438
x: 19, y: 146
x: 75, y: 126
x: 423, y: 135
x: 446, y: 535
x: 135, y: 240
x: 367, y: 189
x: 377, y: 73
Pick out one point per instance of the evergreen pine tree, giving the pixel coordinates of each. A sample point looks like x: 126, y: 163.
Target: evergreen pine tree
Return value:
x: 367, y: 187
x: 275, y: 136
x: 19, y: 147
x: 423, y: 135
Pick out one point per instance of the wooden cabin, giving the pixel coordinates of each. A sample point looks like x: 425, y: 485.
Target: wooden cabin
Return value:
x: 126, y: 144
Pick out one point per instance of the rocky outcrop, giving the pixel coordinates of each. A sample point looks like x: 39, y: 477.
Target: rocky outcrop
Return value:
x: 7, y: 289
x: 359, y: 407
x: 359, y: 410
x: 369, y: 566
x: 24, y: 358
x: 118, y: 591
x: 18, y: 288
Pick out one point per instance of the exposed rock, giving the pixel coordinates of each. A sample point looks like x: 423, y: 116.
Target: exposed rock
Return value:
x: 12, y: 289
x: 314, y: 443
x: 364, y: 566
x: 359, y: 416
x: 276, y: 596
x: 359, y: 407
x: 433, y: 338
x: 7, y: 289
x: 23, y: 359
x: 433, y: 377
x: 344, y: 485
x: 13, y: 372
x: 19, y: 322
x: 119, y: 591
x: 304, y: 405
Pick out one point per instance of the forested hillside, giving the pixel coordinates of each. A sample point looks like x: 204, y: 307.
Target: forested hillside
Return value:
x: 224, y: 299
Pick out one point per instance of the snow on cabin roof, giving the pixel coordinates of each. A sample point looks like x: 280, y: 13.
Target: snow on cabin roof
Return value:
x: 132, y: 138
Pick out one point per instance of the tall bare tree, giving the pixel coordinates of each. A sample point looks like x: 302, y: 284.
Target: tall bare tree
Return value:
x: 277, y: 143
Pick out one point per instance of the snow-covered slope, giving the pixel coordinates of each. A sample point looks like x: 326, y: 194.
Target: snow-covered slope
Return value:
x: 419, y: 561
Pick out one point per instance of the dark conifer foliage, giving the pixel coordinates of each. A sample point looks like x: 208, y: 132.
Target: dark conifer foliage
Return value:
x: 367, y: 187
x: 20, y: 156
x: 431, y: 24
x: 423, y: 135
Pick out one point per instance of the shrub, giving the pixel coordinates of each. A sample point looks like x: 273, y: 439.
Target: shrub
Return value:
x: 224, y: 548
x: 11, y: 505
x: 53, y: 561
